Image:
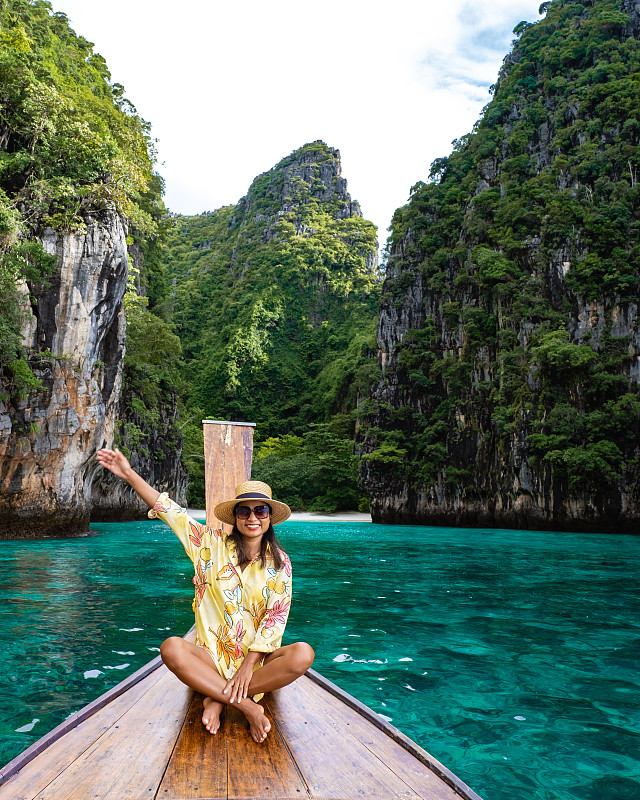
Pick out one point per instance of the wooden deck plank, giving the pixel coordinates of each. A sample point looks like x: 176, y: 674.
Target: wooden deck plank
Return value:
x: 197, y: 768
x: 128, y: 761
x: 35, y: 776
x: 324, y: 745
x: 260, y: 770
x: 415, y: 774
x: 370, y: 718
x: 334, y: 764
x: 404, y: 765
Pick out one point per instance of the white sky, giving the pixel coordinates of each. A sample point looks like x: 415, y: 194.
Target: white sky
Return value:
x: 230, y: 88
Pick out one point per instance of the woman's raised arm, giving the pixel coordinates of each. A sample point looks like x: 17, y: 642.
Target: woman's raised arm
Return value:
x: 115, y: 462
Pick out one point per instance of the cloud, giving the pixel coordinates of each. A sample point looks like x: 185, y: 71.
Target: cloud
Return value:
x: 231, y: 88
x: 468, y: 60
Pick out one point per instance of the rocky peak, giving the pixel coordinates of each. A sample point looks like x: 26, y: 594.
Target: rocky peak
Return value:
x: 309, y: 178
x: 315, y: 175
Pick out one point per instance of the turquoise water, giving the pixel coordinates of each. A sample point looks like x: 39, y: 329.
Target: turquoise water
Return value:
x: 513, y: 657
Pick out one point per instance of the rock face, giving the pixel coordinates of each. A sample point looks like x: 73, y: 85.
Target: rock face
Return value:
x: 509, y: 352
x: 50, y: 483
x: 306, y: 179
x: 112, y: 500
x: 48, y: 440
x: 149, y: 436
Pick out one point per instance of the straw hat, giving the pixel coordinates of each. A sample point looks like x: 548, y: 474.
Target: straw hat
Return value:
x: 252, y: 490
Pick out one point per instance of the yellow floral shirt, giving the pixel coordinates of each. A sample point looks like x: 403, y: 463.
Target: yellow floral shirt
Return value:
x: 236, y: 610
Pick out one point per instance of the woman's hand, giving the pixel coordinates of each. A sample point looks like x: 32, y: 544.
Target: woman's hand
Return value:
x: 115, y: 462
x: 237, y: 687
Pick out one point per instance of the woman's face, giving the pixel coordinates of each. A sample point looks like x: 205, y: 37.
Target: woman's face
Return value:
x: 252, y: 527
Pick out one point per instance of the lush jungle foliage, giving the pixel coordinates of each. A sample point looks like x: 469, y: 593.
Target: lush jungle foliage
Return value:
x: 316, y: 471
x: 266, y: 310
x: 534, y: 215
x: 275, y: 301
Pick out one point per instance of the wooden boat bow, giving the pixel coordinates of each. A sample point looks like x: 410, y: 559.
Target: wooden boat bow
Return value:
x: 144, y: 739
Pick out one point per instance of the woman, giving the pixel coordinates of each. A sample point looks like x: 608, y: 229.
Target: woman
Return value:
x: 242, y: 600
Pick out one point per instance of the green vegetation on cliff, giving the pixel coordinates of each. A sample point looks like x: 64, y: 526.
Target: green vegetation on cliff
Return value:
x: 274, y: 300
x: 263, y: 311
x: 70, y: 143
x: 521, y: 376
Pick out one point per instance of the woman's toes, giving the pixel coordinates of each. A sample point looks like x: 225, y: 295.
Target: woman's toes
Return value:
x: 211, y: 715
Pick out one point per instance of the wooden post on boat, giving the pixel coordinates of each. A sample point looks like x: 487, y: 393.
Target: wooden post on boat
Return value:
x: 228, y: 451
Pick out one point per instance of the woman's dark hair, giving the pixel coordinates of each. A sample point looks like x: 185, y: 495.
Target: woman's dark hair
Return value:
x: 269, y: 540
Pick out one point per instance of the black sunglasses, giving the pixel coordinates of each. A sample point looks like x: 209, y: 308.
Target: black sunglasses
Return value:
x: 244, y: 512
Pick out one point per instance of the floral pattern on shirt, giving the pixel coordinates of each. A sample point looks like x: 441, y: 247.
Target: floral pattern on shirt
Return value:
x: 236, y: 610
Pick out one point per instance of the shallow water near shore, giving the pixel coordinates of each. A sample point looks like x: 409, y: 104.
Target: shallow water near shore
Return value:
x: 513, y: 657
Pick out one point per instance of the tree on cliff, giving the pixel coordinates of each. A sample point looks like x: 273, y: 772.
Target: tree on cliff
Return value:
x: 76, y: 172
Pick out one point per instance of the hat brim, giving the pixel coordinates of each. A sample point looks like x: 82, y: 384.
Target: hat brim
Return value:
x: 279, y: 511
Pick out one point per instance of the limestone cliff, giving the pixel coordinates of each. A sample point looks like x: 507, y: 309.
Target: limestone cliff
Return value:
x: 158, y: 460
x: 76, y: 334
x: 274, y: 300
x: 77, y: 169
x: 508, y: 333
x: 147, y: 428
x: 311, y: 176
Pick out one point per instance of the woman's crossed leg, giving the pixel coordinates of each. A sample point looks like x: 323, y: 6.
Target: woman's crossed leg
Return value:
x: 195, y: 667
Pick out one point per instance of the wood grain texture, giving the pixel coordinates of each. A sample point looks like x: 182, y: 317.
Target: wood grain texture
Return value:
x: 405, y: 767
x: 76, y: 719
x: 198, y: 765
x: 318, y: 747
x: 35, y: 776
x: 228, y: 451
x: 229, y: 765
x: 334, y: 764
x: 128, y: 761
x: 260, y: 770
x: 150, y: 743
x: 368, y: 719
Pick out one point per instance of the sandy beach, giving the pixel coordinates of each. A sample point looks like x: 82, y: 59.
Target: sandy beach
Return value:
x: 306, y: 516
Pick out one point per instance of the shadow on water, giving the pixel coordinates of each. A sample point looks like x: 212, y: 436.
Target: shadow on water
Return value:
x: 511, y: 656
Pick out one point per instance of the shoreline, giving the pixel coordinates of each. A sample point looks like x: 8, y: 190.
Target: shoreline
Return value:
x: 305, y: 516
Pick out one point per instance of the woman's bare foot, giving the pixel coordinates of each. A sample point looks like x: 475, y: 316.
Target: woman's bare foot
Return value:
x: 211, y: 715
x: 259, y: 725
